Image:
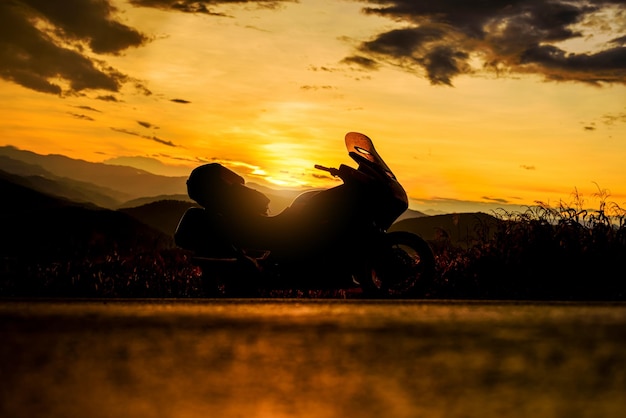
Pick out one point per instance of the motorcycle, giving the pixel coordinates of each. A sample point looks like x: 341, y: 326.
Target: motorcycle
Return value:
x: 335, y: 238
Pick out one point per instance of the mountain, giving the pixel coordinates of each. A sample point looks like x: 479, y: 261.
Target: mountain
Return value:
x: 151, y: 165
x: 20, y: 198
x: 162, y: 215
x: 132, y: 182
x: 410, y: 213
x: 152, y: 199
x: 41, y: 180
x: 279, y: 198
x: 21, y: 168
x: 35, y: 221
x: 36, y: 224
x: 112, y: 186
x: 459, y: 228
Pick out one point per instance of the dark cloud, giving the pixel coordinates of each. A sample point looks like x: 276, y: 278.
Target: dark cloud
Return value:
x: 162, y: 141
x: 147, y: 124
x: 89, y: 108
x: 315, y: 88
x: 186, y: 159
x: 520, y: 36
x: 323, y: 68
x: 108, y: 98
x: 187, y: 6
x: 143, y: 89
x: 203, y: 6
x: 495, y: 199
x: 126, y: 131
x: 182, y: 101
x: 80, y: 116
x: 362, y: 61
x: 614, y: 118
x: 152, y: 138
x: 42, y: 41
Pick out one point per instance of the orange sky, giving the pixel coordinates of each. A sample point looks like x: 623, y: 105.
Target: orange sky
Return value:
x: 473, y: 108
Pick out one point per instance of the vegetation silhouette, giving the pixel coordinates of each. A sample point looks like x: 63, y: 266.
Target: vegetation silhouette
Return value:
x: 565, y: 252
x: 52, y: 246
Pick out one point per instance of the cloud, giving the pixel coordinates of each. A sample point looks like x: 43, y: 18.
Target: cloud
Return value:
x: 202, y: 6
x: 147, y: 124
x: 152, y: 138
x: 362, y: 61
x: 445, y: 39
x: 495, y: 199
x: 108, y: 98
x: 607, y: 120
x: 126, y: 131
x: 80, y: 116
x: 614, y: 118
x: 182, y: 101
x: 42, y: 42
x: 89, y: 108
x: 186, y: 159
x: 309, y: 87
x: 161, y: 141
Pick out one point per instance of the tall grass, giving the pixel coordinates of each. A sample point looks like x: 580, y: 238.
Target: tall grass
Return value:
x: 565, y: 251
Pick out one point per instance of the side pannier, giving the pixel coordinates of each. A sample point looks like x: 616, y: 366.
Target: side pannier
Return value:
x: 219, y: 189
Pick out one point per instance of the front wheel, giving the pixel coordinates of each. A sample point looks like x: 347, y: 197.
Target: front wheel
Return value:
x: 404, y: 267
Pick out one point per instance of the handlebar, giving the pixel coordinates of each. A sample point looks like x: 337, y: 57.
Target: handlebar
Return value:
x: 345, y: 173
x: 333, y: 171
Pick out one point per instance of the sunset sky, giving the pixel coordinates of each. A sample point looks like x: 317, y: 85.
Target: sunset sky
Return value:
x: 473, y: 104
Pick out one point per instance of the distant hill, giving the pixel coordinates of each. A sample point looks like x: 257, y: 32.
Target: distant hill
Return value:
x: 279, y: 198
x: 409, y: 214
x: 21, y: 168
x: 459, y: 228
x: 53, y: 181
x: 42, y: 225
x: 151, y: 199
x: 113, y: 186
x: 134, y: 183
x: 45, y: 182
x: 18, y: 197
x: 36, y: 221
x: 162, y: 215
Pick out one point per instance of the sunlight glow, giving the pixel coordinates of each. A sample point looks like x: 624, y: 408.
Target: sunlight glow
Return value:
x: 271, y: 91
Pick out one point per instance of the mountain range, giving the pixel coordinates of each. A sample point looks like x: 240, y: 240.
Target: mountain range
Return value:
x: 55, y: 203
x: 113, y: 186
x: 94, y: 180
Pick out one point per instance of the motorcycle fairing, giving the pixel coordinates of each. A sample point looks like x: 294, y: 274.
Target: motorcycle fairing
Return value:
x: 361, y: 149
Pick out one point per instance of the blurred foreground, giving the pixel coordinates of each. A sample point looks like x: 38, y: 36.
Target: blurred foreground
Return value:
x: 311, y: 358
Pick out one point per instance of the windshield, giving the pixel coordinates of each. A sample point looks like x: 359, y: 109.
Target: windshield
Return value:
x: 362, y: 146
x: 394, y: 201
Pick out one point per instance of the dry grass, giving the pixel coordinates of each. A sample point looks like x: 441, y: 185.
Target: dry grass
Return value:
x: 561, y: 252
x: 547, y: 252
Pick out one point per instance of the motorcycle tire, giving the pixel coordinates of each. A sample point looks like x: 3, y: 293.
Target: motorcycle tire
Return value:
x: 404, y: 268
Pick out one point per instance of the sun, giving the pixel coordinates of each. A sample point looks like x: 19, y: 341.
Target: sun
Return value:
x: 287, y: 165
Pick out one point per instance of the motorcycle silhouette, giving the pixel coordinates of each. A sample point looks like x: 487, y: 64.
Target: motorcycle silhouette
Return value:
x: 325, y: 239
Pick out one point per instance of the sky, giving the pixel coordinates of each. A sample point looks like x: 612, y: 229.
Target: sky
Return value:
x: 474, y: 105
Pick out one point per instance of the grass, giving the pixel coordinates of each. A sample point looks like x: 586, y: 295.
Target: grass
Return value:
x: 560, y: 252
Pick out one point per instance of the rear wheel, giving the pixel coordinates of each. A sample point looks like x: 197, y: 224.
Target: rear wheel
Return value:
x: 404, y: 267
